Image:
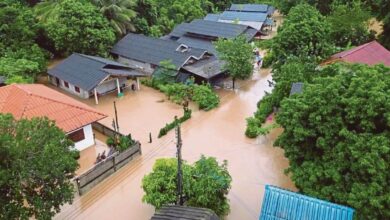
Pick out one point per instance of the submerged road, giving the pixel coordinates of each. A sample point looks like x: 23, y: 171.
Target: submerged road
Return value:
x: 252, y: 163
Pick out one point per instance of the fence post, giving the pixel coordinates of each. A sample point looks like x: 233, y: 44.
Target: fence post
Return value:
x: 78, y: 186
x: 114, y: 161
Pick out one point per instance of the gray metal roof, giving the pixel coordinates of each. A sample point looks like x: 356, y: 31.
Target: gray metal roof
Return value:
x: 176, y: 212
x: 207, y: 68
x: 249, y: 7
x: 212, y: 17
x: 2, y: 79
x: 296, y: 88
x: 87, y: 72
x: 210, y: 29
x: 198, y: 43
x: 243, y: 16
x: 153, y: 50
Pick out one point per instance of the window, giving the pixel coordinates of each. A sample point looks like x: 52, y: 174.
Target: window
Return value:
x: 77, y: 89
x: 66, y: 84
x: 77, y: 135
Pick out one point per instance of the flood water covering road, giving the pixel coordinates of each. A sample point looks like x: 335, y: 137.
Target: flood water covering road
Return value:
x: 219, y: 133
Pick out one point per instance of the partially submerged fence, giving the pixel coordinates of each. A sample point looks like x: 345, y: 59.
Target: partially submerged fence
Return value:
x: 105, y: 168
x: 108, y: 166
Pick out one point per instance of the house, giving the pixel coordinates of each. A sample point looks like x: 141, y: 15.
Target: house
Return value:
x: 35, y: 100
x: 296, y: 88
x: 201, y: 33
x: 184, y: 212
x: 254, y: 20
x: 371, y: 53
x: 147, y: 53
x: 253, y: 8
x: 280, y: 204
x: 2, y: 81
x: 86, y: 76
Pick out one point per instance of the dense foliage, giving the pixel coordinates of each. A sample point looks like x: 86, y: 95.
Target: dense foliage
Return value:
x: 305, y: 32
x: 336, y: 137
x: 238, y: 57
x: 36, y: 165
x: 79, y: 27
x: 21, y: 59
x: 205, y: 184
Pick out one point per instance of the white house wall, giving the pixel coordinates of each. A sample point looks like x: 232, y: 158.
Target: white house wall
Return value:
x: 253, y: 24
x: 82, y: 94
x: 146, y: 67
x: 88, y: 140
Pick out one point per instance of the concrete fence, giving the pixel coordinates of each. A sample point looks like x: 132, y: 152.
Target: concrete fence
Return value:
x: 105, y: 168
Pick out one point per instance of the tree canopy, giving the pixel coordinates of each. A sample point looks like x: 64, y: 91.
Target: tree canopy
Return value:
x: 205, y: 184
x: 336, y: 137
x: 305, y: 32
x: 36, y: 165
x: 238, y: 56
x: 79, y: 27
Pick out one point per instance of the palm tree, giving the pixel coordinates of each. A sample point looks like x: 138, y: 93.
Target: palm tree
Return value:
x: 119, y: 13
x: 46, y: 9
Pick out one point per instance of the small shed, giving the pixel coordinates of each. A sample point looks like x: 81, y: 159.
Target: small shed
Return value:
x: 296, y: 88
x: 175, y: 212
x: 2, y: 81
x: 280, y: 204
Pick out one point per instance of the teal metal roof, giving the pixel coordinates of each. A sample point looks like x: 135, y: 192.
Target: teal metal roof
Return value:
x: 280, y: 204
x: 212, y: 17
x: 249, y: 7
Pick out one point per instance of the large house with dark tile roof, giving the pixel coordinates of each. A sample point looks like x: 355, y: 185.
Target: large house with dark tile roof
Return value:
x: 147, y: 53
x: 90, y: 76
x: 25, y: 101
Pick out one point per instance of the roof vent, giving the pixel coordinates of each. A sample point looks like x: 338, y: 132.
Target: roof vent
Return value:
x: 182, y: 48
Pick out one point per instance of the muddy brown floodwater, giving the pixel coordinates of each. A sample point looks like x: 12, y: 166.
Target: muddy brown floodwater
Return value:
x: 219, y: 133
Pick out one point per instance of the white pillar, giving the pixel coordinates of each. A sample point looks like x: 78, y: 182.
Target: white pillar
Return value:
x: 138, y: 87
x: 96, y: 98
x: 117, y: 85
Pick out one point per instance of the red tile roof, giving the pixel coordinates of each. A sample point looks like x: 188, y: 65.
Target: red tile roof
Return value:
x: 370, y: 53
x: 34, y: 100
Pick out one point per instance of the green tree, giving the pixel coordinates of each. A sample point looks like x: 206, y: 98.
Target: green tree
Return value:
x: 336, y: 137
x: 20, y: 56
x: 305, y: 32
x: 238, y: 57
x: 210, y: 186
x: 205, y: 184
x: 36, y: 165
x: 47, y: 9
x: 385, y: 37
x: 344, y: 30
x: 79, y: 27
x: 119, y: 13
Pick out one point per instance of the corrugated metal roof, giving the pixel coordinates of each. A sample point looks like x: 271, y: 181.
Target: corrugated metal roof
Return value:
x: 153, y: 50
x: 249, y: 7
x: 184, y: 213
x: 86, y: 71
x: 370, y: 53
x: 198, y: 43
x: 35, y: 100
x: 296, y: 88
x: 211, y: 29
x: 280, y: 204
x: 207, y: 68
x: 243, y: 16
x: 212, y: 17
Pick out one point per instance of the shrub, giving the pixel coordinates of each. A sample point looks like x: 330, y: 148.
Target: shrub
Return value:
x: 265, y: 108
x: 172, y: 125
x: 252, y: 127
x: 124, y: 143
x: 204, y: 96
x: 110, y: 141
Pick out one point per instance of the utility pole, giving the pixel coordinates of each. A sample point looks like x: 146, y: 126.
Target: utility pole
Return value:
x: 116, y: 118
x: 180, y: 198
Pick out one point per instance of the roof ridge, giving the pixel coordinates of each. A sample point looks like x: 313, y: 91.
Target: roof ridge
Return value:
x: 90, y: 58
x: 358, y: 48
x: 65, y: 103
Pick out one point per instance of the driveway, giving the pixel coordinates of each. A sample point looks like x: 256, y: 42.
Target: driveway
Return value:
x: 252, y: 163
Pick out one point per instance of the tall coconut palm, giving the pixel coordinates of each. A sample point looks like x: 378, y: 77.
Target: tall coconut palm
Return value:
x: 46, y: 9
x: 119, y: 12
